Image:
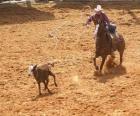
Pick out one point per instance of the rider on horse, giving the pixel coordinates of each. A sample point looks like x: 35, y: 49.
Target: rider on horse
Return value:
x: 101, y: 16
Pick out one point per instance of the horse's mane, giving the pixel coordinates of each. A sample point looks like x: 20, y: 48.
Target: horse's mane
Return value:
x: 102, y: 32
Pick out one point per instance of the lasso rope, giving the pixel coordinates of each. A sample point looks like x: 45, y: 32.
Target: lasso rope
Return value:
x: 55, y: 33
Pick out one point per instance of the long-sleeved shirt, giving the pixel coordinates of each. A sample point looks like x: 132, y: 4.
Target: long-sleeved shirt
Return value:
x: 96, y: 17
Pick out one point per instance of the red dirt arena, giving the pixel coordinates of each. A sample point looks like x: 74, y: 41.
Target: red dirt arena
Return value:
x: 56, y: 33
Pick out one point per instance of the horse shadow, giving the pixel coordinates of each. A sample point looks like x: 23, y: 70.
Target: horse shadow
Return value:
x: 111, y: 73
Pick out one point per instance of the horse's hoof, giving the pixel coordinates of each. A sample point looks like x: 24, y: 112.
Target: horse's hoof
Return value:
x: 115, y: 64
x: 97, y: 68
x: 49, y: 92
x: 120, y: 64
x: 97, y: 73
x: 100, y: 73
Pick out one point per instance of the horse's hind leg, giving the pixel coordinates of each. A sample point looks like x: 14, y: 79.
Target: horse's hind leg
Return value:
x: 112, y: 58
x: 121, y: 56
x: 96, y: 67
x: 103, y: 61
x: 121, y: 48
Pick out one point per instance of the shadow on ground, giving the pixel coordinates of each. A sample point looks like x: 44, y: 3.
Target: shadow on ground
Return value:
x: 41, y: 96
x: 19, y: 15
x: 125, y: 7
x: 106, y: 5
x: 112, y: 73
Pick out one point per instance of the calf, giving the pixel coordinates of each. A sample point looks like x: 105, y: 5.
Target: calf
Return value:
x: 41, y: 74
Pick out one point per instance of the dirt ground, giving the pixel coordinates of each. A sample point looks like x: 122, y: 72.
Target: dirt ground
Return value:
x: 56, y: 33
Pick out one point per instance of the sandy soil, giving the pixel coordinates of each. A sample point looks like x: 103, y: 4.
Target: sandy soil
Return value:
x: 45, y: 33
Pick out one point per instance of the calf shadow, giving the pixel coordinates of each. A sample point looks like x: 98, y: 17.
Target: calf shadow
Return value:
x: 44, y: 94
x: 111, y: 73
x: 41, y: 96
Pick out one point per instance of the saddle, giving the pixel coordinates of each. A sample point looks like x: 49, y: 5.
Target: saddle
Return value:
x: 112, y: 28
x: 114, y: 36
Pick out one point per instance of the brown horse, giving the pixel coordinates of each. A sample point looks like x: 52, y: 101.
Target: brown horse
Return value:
x: 105, y: 46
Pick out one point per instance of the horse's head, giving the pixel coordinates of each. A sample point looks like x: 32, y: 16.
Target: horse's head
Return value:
x: 102, y: 28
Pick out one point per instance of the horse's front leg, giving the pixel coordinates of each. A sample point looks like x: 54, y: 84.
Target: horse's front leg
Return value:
x: 96, y: 67
x: 102, y: 64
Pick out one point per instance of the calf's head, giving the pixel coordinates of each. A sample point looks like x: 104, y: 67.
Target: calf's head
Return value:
x: 31, y: 69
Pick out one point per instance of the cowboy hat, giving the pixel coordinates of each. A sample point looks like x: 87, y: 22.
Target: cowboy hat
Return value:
x: 98, y: 8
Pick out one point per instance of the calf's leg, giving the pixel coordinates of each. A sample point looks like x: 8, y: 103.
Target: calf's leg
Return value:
x: 47, y: 81
x: 54, y: 78
x: 39, y: 88
x: 45, y: 87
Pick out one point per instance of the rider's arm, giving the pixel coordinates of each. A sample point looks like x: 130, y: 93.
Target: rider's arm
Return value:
x: 90, y: 19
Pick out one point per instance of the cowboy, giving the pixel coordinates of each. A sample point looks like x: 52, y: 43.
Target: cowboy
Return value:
x: 101, y: 16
